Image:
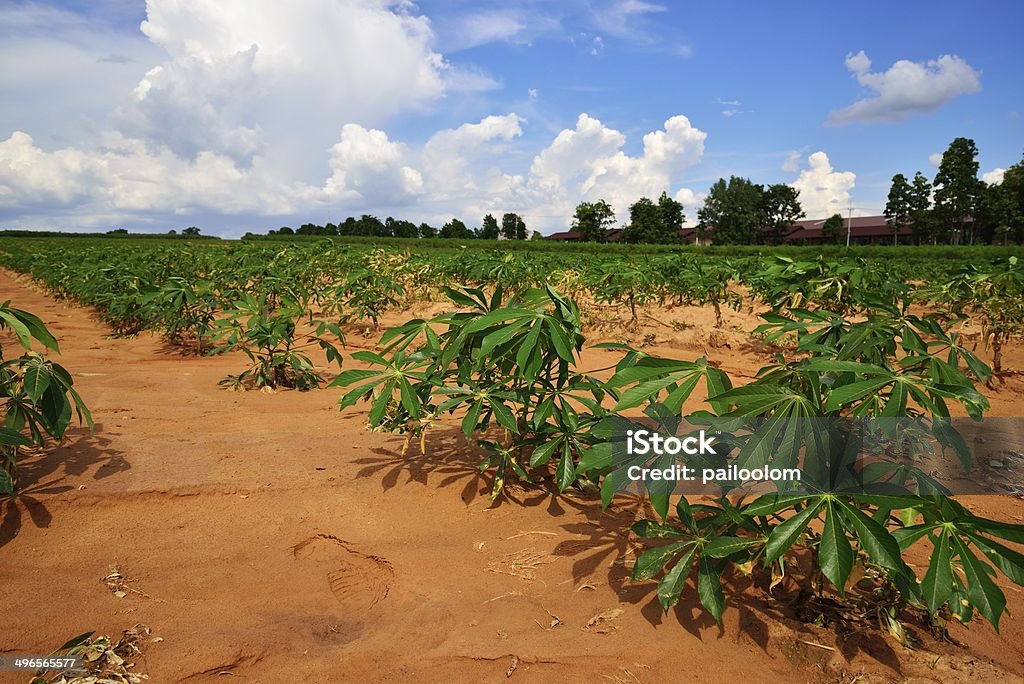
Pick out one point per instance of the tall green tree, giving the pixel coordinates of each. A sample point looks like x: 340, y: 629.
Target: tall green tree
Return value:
x: 957, y: 188
x: 994, y: 217
x: 513, y: 227
x: 671, y: 217
x: 455, y: 229
x: 1013, y: 187
x: 369, y: 225
x: 646, y: 224
x: 592, y: 219
x: 732, y: 212
x: 780, y: 209
x: 897, y: 207
x: 427, y: 231
x: 489, y: 228
x: 920, y: 217
x: 833, y: 229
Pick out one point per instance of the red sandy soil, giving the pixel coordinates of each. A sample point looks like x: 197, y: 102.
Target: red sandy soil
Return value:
x: 267, y: 537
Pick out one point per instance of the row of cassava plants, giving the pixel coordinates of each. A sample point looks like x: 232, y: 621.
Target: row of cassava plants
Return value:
x: 505, y: 365
x: 201, y: 297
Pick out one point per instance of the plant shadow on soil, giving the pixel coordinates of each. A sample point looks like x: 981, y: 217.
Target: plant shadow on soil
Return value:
x: 45, y: 473
x: 601, y: 539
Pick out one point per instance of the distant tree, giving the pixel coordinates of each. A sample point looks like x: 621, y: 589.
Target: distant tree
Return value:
x: 833, y: 228
x: 455, y: 229
x: 671, y: 218
x: 732, y: 211
x: 995, y: 213
x: 592, y: 220
x: 780, y: 209
x: 646, y: 224
x: 897, y: 208
x: 427, y: 231
x: 118, y: 231
x: 370, y: 225
x: 535, y: 235
x: 489, y: 228
x: 310, y: 229
x: 172, y: 232
x: 404, y: 229
x: 285, y: 230
x: 513, y: 227
x: 1013, y: 189
x: 347, y: 227
x: 957, y: 187
x: 330, y: 229
x: 920, y: 199
x: 191, y: 230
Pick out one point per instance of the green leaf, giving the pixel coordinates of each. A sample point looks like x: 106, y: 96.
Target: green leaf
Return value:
x: 651, y: 561
x: 565, y: 473
x: 721, y: 547
x: 982, y: 592
x: 937, y: 585
x: 19, y: 328
x: 637, y: 394
x: 671, y: 585
x: 469, y: 422
x: 503, y: 415
x: 410, y: 400
x: 786, y: 534
x: 1006, y: 559
x: 834, y: 552
x: 767, y: 504
x: 847, y: 394
x: 874, y: 539
x: 353, y: 376
x: 36, y: 378
x: 595, y: 457
x: 709, y: 589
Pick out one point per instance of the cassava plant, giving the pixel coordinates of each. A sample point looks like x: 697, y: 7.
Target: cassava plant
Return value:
x: 994, y: 295
x: 37, y: 396
x: 266, y: 329
x: 889, y: 366
x: 506, y: 365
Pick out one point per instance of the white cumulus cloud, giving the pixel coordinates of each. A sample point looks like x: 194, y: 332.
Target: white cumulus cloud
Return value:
x: 823, y: 190
x: 906, y: 88
x: 370, y: 169
x: 994, y: 177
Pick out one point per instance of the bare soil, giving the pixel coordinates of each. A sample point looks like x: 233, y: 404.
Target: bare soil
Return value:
x: 267, y: 537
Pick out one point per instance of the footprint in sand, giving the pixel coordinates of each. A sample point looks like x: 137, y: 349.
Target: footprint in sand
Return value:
x: 358, y: 581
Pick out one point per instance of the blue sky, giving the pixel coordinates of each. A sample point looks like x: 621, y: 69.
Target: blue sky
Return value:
x: 237, y: 115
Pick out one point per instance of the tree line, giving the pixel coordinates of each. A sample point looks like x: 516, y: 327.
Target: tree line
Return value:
x: 512, y: 227
x: 957, y: 207
x: 735, y: 212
